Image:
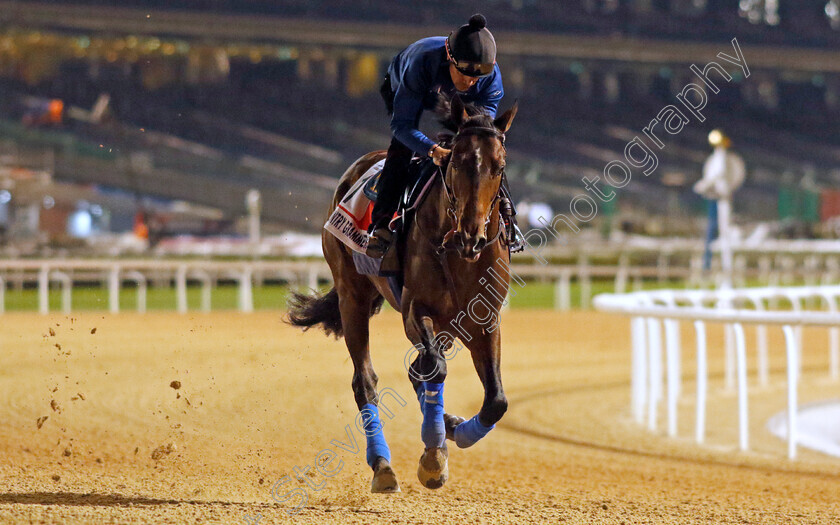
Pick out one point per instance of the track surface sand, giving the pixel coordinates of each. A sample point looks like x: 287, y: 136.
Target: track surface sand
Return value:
x: 258, y: 398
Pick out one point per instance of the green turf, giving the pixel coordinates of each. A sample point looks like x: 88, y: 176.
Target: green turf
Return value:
x: 224, y: 297
x: 96, y: 298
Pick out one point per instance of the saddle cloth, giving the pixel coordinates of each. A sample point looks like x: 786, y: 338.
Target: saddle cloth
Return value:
x: 351, y: 218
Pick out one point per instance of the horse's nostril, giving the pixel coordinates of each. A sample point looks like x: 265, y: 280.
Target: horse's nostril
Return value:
x: 480, y: 243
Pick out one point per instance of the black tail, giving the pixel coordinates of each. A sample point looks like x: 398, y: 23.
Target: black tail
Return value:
x: 307, y: 311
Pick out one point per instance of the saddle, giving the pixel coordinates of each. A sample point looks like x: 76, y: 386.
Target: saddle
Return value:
x: 350, y: 220
x: 420, y: 171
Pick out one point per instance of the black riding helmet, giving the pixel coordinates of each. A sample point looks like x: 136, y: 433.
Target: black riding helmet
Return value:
x: 472, y: 48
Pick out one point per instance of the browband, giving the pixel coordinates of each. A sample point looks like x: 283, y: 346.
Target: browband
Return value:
x: 478, y: 130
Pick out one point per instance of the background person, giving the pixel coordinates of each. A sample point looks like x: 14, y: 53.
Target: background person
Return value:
x: 723, y: 174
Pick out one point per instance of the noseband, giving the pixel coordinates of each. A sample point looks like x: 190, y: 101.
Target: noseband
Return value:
x: 445, y: 245
x: 478, y: 130
x: 452, y: 201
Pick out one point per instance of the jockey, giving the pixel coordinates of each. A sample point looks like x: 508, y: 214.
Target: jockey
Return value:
x: 462, y: 63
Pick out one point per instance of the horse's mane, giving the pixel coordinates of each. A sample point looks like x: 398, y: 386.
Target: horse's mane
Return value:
x: 478, y: 118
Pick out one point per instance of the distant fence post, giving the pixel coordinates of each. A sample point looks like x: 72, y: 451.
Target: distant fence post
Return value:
x: 66, y: 290
x: 114, y: 289
x: 181, y: 288
x: 206, y: 291
x: 44, y: 290
x: 246, y: 295
x: 563, y: 291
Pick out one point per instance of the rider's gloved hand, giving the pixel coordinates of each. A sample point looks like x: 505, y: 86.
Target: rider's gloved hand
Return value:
x: 439, y: 154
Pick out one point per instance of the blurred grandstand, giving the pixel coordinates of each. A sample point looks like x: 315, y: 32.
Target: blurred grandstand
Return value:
x: 194, y: 103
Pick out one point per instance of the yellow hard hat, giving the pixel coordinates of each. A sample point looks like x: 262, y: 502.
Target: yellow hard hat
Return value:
x: 719, y: 138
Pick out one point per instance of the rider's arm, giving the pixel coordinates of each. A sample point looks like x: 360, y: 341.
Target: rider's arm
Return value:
x: 491, y: 92
x: 408, y: 105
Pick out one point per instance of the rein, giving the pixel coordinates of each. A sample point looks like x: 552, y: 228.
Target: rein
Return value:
x: 450, y: 195
x: 442, y: 250
x: 444, y: 247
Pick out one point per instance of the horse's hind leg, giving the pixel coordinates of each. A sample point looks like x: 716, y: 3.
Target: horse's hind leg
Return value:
x: 356, y: 299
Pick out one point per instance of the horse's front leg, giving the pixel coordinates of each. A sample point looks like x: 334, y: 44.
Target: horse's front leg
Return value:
x: 427, y: 374
x: 486, y: 354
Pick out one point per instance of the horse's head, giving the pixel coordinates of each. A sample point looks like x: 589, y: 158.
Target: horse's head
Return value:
x: 474, y: 173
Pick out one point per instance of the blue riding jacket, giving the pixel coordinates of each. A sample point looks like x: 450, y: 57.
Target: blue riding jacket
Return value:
x: 421, y: 71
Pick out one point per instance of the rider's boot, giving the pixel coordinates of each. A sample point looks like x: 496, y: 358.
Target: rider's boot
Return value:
x: 379, y: 240
x: 508, y: 211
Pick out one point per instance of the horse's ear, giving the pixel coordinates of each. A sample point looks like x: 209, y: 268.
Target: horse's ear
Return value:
x: 457, y: 112
x: 503, y: 122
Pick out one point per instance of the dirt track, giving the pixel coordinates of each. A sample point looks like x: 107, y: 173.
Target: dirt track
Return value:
x: 258, y: 398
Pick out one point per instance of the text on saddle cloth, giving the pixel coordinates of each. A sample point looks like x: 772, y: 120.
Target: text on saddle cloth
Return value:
x: 352, y: 217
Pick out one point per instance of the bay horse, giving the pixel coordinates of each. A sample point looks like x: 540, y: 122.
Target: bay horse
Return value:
x: 455, y: 281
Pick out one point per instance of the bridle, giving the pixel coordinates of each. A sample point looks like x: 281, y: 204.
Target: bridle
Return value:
x: 445, y: 246
x: 451, y: 198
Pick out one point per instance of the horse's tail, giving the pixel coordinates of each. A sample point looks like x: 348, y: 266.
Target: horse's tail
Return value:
x: 307, y: 311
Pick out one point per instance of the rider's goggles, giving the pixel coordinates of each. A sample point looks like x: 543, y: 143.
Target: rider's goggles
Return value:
x: 473, y: 69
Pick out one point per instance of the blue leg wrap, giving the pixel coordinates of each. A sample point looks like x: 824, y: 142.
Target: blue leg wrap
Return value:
x: 376, y: 445
x: 433, y: 430
x: 421, y: 396
x: 469, y: 432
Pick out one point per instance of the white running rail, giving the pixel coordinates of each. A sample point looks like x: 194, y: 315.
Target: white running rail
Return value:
x: 114, y: 273
x: 734, y: 308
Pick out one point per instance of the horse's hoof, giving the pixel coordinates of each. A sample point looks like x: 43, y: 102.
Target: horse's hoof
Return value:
x: 384, y: 479
x: 450, y: 422
x: 433, y: 470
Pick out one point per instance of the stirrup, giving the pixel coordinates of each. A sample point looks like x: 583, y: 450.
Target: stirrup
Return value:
x: 379, y: 242
x: 512, y: 232
x: 517, y: 240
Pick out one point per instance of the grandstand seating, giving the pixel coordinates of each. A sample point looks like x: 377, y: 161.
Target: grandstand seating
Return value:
x: 265, y: 124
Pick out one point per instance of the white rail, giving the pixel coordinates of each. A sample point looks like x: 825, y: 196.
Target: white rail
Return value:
x: 625, y: 266
x: 649, y: 309
x: 114, y: 273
